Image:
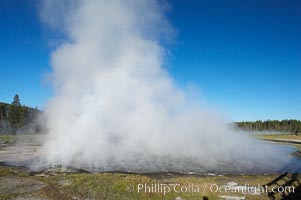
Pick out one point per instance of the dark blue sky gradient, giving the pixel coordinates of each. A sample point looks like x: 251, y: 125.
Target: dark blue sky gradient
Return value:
x: 24, y: 54
x: 245, y: 56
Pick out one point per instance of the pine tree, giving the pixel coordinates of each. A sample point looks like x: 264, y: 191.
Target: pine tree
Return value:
x: 16, y: 114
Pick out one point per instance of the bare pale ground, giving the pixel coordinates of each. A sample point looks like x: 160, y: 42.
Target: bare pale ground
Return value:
x: 20, y: 149
x: 20, y: 183
x: 294, y: 140
x: 280, y: 137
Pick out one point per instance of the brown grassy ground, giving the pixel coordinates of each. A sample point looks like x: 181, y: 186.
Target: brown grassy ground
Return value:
x: 20, y: 183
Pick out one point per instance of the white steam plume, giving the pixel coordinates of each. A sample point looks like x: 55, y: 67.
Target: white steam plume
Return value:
x: 117, y: 108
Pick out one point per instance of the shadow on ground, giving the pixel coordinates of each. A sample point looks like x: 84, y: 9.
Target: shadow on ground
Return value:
x: 289, y: 187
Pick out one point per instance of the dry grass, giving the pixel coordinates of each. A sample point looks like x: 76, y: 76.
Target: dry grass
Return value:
x: 123, y: 186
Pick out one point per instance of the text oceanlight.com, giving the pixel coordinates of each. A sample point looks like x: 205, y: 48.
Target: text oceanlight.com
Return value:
x: 214, y: 188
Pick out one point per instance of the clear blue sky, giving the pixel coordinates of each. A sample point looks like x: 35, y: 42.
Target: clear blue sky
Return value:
x: 245, y: 56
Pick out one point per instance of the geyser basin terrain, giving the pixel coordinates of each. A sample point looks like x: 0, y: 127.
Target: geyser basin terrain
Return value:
x: 117, y: 108
x: 55, y: 185
x: 26, y: 150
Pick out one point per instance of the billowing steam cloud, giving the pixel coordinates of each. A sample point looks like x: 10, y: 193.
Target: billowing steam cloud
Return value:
x: 117, y: 108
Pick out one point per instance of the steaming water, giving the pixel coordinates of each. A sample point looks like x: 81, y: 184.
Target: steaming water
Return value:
x: 115, y: 105
x: 293, y: 163
x: 29, y: 154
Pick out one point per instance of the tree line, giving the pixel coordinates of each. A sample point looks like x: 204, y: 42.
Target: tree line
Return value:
x: 287, y: 125
x: 15, y: 116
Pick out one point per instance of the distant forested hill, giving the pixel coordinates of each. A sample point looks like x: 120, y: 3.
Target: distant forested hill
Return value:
x: 16, y: 117
x: 288, y: 125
